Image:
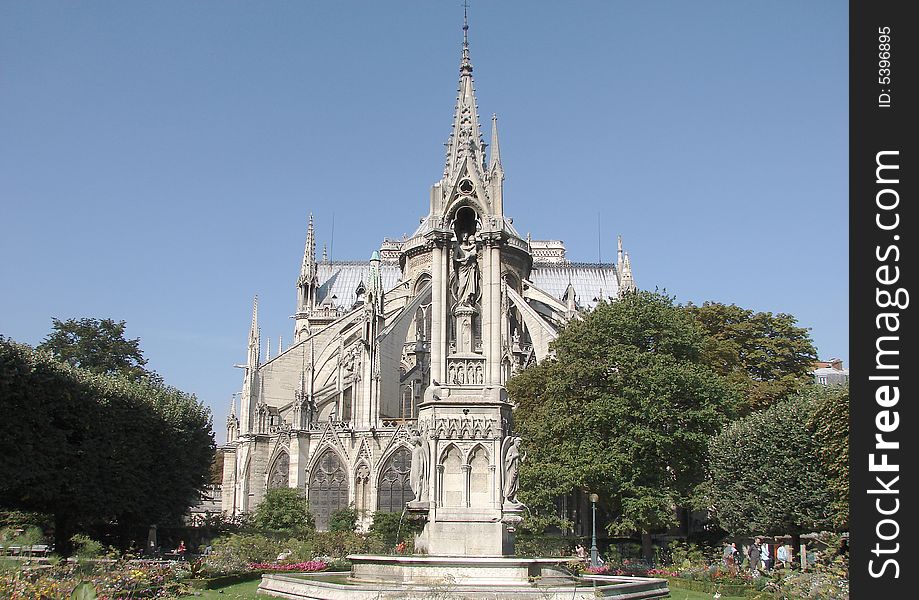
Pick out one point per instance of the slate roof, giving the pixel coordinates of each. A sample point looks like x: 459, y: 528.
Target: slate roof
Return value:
x: 591, y: 281
x: 340, y: 279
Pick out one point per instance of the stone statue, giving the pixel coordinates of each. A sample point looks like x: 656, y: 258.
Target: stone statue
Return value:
x: 467, y: 270
x: 420, y: 469
x: 512, y: 471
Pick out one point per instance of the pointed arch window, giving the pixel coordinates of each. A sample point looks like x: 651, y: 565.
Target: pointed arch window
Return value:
x: 328, y: 488
x: 279, y: 476
x: 394, y: 489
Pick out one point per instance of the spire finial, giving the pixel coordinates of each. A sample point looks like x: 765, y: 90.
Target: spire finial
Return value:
x: 465, y: 137
x: 466, y: 65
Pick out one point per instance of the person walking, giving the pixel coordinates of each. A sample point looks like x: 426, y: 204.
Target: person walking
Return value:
x: 765, y: 556
x: 753, y: 555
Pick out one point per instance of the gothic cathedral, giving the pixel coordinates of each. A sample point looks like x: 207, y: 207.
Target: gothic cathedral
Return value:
x: 392, y: 392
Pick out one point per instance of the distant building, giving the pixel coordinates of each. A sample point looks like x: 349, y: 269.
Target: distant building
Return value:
x: 830, y: 372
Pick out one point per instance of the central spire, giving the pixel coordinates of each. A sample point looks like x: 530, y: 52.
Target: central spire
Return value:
x: 466, y: 137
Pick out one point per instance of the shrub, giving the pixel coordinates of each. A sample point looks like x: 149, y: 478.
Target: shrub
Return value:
x: 283, y: 509
x: 85, y: 547
x: 343, y: 519
x: 234, y: 553
x: 386, y: 531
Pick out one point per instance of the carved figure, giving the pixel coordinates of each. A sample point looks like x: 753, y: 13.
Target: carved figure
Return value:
x: 512, y: 471
x: 420, y: 469
x: 467, y: 270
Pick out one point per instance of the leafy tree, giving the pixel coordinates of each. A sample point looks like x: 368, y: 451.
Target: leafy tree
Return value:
x: 766, y: 477
x: 625, y: 410
x: 90, y: 448
x: 97, y: 345
x: 343, y: 519
x: 767, y: 356
x: 829, y: 420
x: 282, y: 509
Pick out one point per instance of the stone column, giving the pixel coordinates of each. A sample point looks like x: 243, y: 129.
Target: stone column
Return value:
x: 437, y: 308
x: 494, y: 338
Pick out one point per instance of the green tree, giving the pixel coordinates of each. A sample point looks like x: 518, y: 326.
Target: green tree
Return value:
x: 283, y: 509
x: 90, y: 448
x: 97, y: 345
x: 343, y: 519
x: 625, y: 410
x: 829, y: 420
x: 766, y: 476
x: 767, y: 356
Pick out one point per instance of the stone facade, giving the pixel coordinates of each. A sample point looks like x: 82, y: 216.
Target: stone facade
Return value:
x: 393, y: 388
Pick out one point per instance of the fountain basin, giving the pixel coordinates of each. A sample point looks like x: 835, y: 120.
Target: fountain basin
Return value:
x: 458, y: 577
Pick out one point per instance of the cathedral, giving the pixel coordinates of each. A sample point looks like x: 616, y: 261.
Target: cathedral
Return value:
x: 403, y: 358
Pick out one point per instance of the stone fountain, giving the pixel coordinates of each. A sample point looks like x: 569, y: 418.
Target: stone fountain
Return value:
x: 465, y: 462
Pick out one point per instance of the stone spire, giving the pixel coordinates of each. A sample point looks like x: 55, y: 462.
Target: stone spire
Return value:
x: 626, y: 281
x: 308, y: 267
x: 466, y: 136
x: 307, y: 285
x: 494, y: 165
x: 250, y: 380
x: 254, y: 336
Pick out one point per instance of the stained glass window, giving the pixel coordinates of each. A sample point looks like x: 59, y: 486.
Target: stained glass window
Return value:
x: 394, y: 489
x: 328, y: 489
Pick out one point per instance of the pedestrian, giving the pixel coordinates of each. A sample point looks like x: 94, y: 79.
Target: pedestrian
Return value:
x: 737, y: 557
x: 765, y: 556
x: 728, y: 556
x: 753, y: 555
x: 581, y: 552
x: 782, y: 556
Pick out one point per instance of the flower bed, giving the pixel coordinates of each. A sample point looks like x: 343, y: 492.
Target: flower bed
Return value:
x: 110, y: 581
x: 301, y: 567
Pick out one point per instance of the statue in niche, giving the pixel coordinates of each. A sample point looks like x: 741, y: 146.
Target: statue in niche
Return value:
x: 465, y: 255
x: 512, y: 461
x: 420, y: 469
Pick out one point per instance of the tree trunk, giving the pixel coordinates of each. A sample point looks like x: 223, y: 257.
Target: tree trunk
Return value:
x: 63, y: 531
x: 647, y: 547
x: 795, y: 546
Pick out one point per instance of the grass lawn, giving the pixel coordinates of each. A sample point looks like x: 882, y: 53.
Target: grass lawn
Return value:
x: 239, y: 591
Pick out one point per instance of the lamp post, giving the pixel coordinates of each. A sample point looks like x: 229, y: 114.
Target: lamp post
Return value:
x: 593, y: 539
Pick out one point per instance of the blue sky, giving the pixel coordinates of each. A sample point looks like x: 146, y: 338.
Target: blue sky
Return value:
x: 158, y: 160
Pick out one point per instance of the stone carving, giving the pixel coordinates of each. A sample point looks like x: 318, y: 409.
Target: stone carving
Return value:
x: 459, y: 428
x: 465, y: 255
x: 420, y: 469
x: 466, y: 371
x: 512, y: 461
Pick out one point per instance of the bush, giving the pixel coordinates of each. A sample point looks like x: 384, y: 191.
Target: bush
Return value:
x: 283, y: 509
x: 234, y: 553
x: 387, y: 532
x: 85, y: 547
x: 343, y: 519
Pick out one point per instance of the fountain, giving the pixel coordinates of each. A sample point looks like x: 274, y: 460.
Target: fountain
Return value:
x: 469, y: 503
